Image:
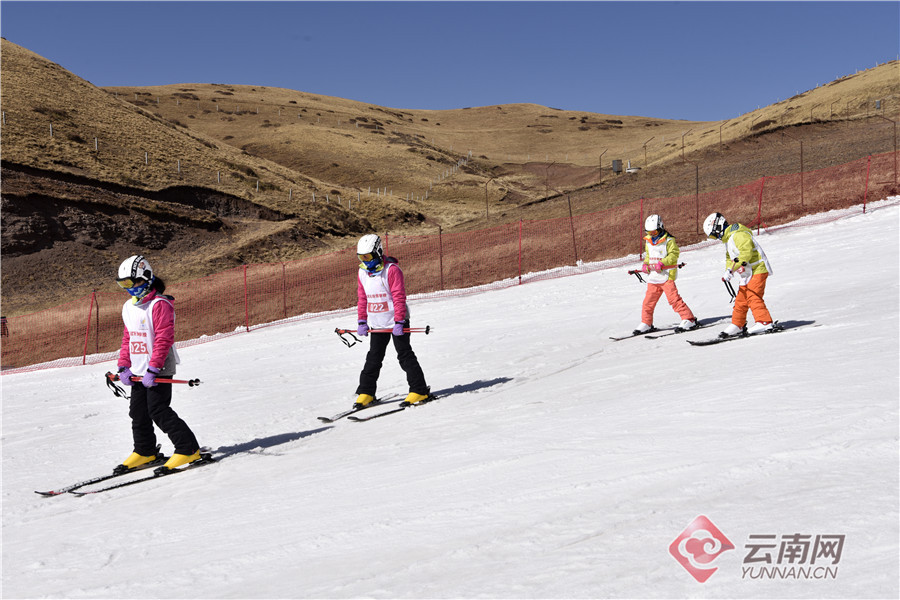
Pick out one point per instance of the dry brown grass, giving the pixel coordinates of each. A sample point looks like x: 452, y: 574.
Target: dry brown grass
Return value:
x: 523, y: 149
x: 510, y: 160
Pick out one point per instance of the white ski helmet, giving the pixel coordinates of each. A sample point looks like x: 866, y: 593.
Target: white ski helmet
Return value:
x: 714, y: 226
x: 370, y: 252
x: 654, y: 223
x: 135, y: 275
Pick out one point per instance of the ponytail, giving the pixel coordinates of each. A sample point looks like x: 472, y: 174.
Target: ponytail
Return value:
x: 158, y: 284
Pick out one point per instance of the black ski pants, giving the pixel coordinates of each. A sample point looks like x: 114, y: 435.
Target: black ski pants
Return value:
x: 368, y: 379
x: 152, y: 405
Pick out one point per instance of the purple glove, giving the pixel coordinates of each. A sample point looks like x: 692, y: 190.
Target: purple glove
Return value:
x: 645, y: 268
x: 398, y: 328
x: 362, y: 329
x: 149, y: 379
x: 125, y: 376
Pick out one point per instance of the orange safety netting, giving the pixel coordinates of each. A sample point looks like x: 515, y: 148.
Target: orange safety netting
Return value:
x: 89, y: 329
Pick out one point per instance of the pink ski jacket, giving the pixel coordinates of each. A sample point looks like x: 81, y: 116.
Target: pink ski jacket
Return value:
x: 397, y: 287
x: 163, y: 334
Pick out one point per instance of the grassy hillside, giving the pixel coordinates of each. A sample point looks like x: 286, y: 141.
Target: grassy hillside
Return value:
x: 203, y: 177
x: 516, y: 153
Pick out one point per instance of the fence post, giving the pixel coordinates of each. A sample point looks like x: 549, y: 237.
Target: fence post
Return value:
x: 441, y: 254
x: 572, y: 227
x: 283, y: 291
x: 762, y: 185
x: 246, y: 302
x: 97, y: 326
x: 520, y: 251
x: 87, y: 330
x: 641, y: 231
x: 866, y: 194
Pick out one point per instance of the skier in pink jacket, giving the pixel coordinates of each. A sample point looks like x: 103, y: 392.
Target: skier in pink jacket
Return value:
x: 381, y: 304
x: 148, y: 351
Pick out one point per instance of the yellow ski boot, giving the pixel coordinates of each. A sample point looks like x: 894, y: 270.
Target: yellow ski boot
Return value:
x: 415, y: 398
x: 363, y: 401
x: 136, y: 460
x: 177, y: 460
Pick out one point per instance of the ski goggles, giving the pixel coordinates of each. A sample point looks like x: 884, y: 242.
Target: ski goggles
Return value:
x: 129, y: 282
x: 135, y: 287
x: 373, y: 265
x: 364, y: 258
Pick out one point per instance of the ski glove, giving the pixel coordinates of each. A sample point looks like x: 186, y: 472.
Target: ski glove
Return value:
x: 362, y: 329
x: 149, y: 379
x: 398, y: 328
x: 125, y: 376
x: 727, y: 275
x: 657, y: 266
x: 645, y: 268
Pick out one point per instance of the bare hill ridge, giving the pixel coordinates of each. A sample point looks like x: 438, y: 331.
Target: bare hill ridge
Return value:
x: 208, y: 176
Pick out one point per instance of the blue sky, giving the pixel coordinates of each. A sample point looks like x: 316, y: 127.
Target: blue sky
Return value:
x: 676, y: 60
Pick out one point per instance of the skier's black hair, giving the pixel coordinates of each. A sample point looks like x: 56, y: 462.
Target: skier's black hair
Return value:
x: 158, y: 284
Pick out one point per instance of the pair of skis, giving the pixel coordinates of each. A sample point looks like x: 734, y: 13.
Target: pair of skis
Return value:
x: 666, y: 332
x: 716, y: 340
x: 403, y: 406
x: 739, y: 336
x: 76, y: 488
x: 377, y: 402
x: 351, y: 414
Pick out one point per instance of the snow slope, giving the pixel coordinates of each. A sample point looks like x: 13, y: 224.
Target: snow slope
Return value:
x: 557, y: 464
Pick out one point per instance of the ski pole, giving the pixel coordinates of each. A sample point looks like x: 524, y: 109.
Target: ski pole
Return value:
x: 426, y: 330
x: 190, y: 382
x: 135, y: 378
x: 342, y: 332
x: 637, y: 272
x: 730, y: 289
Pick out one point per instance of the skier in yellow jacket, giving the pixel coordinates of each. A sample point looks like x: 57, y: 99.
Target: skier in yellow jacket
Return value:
x: 661, y: 251
x: 745, y: 258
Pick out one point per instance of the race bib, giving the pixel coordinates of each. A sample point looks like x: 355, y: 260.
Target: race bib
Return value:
x: 138, y: 347
x: 377, y: 307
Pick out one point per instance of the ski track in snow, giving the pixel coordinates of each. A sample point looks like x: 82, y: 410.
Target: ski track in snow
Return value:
x: 556, y: 463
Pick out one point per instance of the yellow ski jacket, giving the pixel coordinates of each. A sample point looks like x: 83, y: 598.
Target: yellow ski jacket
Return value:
x: 664, y: 250
x: 741, y: 247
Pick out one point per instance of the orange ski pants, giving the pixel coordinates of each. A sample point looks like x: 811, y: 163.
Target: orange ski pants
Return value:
x: 654, y: 291
x: 750, y: 297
